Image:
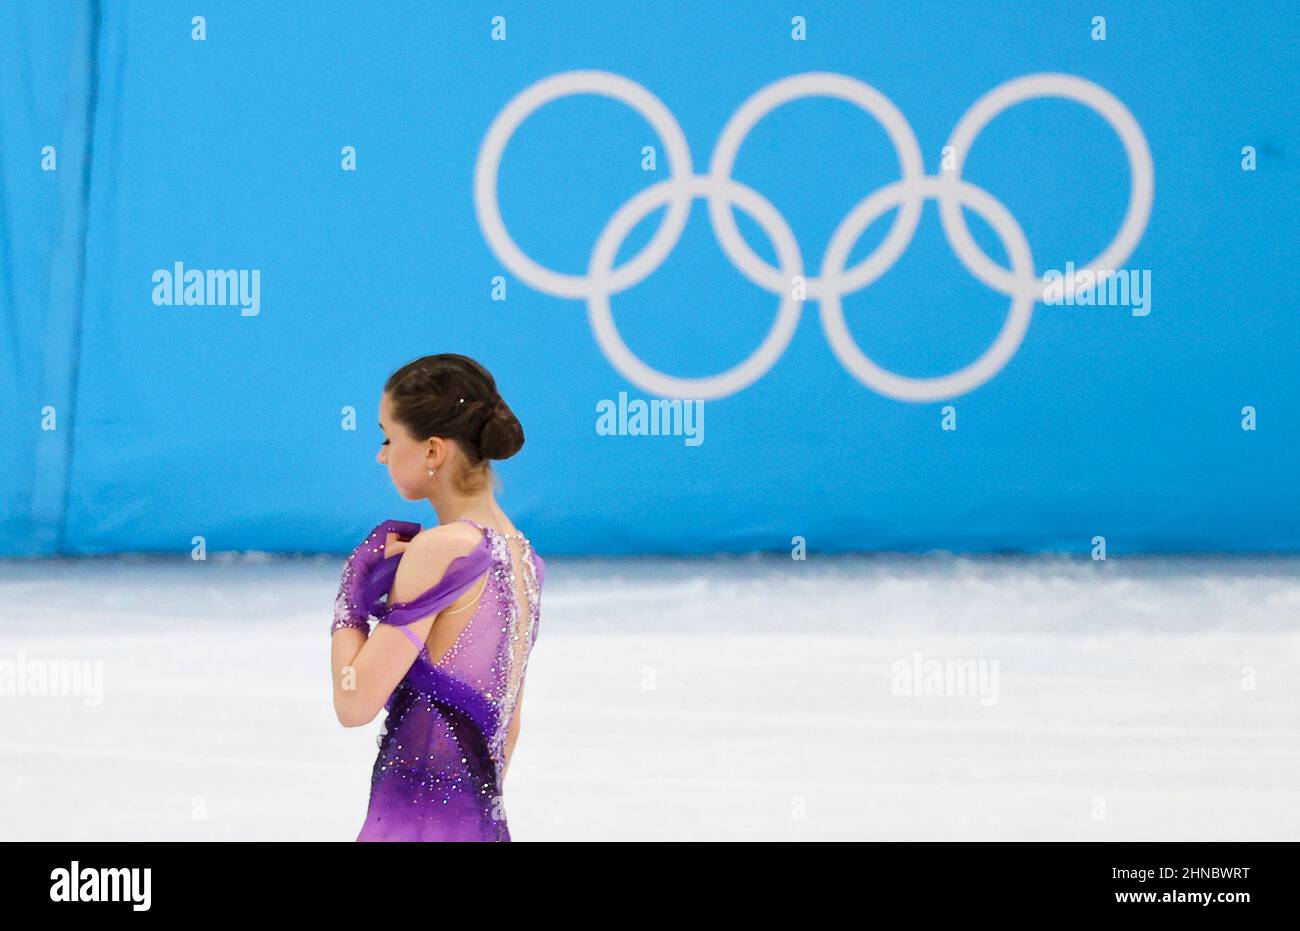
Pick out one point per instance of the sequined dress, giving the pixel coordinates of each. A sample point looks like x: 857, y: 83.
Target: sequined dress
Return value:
x: 438, y: 775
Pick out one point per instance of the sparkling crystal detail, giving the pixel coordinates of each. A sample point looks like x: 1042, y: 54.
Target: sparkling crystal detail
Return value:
x: 441, y: 757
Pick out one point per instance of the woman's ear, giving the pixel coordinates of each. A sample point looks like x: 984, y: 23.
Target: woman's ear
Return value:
x: 437, y: 454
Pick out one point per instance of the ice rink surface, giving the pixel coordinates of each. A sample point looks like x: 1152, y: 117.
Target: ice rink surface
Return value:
x: 728, y: 698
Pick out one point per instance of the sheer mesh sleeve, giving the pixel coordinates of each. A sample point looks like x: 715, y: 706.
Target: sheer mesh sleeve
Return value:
x: 441, y: 758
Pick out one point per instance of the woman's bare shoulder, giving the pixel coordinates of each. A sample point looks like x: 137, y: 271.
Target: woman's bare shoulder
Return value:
x: 450, y: 540
x: 428, y: 555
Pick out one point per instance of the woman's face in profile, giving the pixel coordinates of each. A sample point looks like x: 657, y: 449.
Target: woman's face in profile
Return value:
x: 403, y: 454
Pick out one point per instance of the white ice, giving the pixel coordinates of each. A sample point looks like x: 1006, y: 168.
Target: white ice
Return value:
x: 724, y: 698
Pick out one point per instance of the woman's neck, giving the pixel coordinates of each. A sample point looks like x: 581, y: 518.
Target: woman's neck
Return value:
x: 451, y: 506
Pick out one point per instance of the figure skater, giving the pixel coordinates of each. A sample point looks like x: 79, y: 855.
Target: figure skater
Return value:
x: 458, y: 608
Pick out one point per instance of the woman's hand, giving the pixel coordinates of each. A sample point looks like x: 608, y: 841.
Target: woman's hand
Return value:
x: 351, y: 607
x: 396, y: 546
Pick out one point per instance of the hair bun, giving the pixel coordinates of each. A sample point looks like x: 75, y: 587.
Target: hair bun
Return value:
x: 451, y: 396
x: 503, y: 434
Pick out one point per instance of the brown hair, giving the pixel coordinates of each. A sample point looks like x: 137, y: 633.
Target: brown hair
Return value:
x: 452, y: 396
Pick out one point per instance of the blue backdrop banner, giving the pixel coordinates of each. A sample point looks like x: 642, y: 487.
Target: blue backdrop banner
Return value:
x: 878, y: 276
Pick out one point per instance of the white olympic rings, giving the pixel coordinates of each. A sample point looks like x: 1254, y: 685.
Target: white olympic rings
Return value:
x: 1021, y: 283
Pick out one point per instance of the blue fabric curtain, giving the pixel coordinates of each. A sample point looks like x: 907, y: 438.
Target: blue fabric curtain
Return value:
x: 331, y: 148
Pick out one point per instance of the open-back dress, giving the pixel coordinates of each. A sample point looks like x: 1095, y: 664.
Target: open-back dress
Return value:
x: 438, y: 776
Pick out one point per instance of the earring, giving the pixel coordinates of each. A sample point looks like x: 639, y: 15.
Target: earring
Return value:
x: 431, y: 471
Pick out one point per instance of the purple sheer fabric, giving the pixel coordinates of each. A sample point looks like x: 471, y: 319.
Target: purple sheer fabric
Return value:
x: 438, y: 776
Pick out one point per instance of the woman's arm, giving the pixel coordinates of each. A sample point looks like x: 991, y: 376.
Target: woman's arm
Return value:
x: 367, y: 669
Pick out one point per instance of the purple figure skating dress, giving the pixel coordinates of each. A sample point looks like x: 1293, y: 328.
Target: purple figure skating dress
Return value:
x: 438, y: 776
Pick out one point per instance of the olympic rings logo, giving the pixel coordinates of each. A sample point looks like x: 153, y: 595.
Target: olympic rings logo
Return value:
x: 833, y: 281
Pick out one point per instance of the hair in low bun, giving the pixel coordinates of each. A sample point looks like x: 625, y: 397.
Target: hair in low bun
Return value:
x: 452, y: 396
x: 503, y: 434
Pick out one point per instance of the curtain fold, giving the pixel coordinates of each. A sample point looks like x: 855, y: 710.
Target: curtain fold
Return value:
x: 48, y: 73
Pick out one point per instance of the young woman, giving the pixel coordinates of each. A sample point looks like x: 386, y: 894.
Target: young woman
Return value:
x: 460, y: 618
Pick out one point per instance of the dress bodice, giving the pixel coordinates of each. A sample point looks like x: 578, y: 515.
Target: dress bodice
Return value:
x: 442, y: 750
